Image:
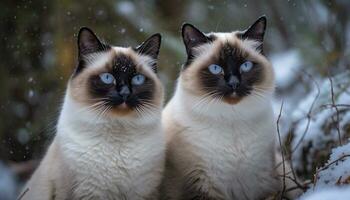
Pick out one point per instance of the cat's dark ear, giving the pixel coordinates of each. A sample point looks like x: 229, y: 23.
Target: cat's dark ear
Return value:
x: 88, y: 42
x: 256, y: 31
x: 192, y: 37
x: 151, y: 46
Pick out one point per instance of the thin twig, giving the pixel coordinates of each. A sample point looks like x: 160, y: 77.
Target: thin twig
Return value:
x: 327, y: 166
x: 295, y: 179
x: 337, y: 111
x: 309, y: 113
x: 336, y: 105
x: 282, y: 150
x: 23, y: 193
x: 298, y: 185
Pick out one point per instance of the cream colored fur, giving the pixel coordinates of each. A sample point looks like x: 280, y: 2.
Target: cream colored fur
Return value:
x: 227, y: 151
x: 108, y: 157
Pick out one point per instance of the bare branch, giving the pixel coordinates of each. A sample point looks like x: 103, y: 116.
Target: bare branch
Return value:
x: 282, y: 151
x: 341, y: 158
x: 337, y: 111
x: 23, y: 193
x: 336, y: 105
x: 309, y: 112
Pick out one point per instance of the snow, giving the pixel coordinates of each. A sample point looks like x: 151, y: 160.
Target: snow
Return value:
x: 125, y: 7
x: 322, y: 134
x: 335, y: 193
x: 341, y: 85
x: 286, y: 67
x: 315, y: 138
x: 7, y: 183
x: 30, y: 93
x: 312, y: 134
x: 344, y: 98
x: 336, y: 172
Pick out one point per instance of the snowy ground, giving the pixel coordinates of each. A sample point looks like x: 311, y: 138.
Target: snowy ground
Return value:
x: 333, y: 178
x: 315, y: 126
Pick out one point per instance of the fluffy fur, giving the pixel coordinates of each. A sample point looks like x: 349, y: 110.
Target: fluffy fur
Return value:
x: 220, y: 147
x: 112, y: 152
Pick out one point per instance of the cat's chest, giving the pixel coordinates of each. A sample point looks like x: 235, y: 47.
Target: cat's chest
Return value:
x: 232, y: 149
x: 230, y: 141
x: 108, y: 169
x: 232, y: 157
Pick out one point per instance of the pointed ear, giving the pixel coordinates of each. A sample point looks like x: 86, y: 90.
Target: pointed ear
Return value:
x: 151, y: 46
x: 88, y: 42
x: 256, y: 31
x: 192, y: 37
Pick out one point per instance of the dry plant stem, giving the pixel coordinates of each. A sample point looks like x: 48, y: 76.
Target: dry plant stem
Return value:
x: 309, y: 113
x: 327, y: 166
x: 302, y: 186
x: 295, y: 179
x: 282, y: 151
x: 23, y: 193
x: 336, y: 105
x: 336, y: 109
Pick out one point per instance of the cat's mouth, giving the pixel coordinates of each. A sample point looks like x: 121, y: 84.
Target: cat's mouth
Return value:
x: 234, y: 96
x: 117, y: 102
x: 120, y: 106
x: 232, y: 99
x: 123, y: 106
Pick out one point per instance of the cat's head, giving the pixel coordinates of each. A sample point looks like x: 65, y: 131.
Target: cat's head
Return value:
x: 226, y: 67
x: 115, y: 81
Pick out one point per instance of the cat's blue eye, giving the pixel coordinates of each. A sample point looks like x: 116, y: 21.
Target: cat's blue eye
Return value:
x: 138, y: 79
x: 246, y: 66
x: 215, y: 69
x: 107, y: 78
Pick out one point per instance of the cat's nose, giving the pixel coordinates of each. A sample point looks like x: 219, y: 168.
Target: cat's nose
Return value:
x: 124, y: 92
x: 233, y: 82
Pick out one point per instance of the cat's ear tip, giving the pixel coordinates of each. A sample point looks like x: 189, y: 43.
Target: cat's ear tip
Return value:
x: 157, y: 35
x: 85, y: 28
x: 189, y: 29
x: 262, y: 18
x: 186, y: 25
x: 155, y: 38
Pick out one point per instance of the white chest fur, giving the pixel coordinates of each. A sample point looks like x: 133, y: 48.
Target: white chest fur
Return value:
x: 107, y: 167
x: 237, y: 159
x: 112, y: 160
x: 235, y: 145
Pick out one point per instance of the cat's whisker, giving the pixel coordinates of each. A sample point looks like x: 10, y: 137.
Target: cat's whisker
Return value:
x: 91, y: 108
x: 264, y: 93
x: 206, y: 102
x: 264, y: 88
x: 259, y: 96
x: 144, y: 111
x: 99, y: 99
x: 100, y: 114
x: 149, y: 109
x: 259, y: 93
x: 204, y: 99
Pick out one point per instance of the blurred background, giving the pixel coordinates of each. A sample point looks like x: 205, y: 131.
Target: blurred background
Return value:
x: 307, y: 41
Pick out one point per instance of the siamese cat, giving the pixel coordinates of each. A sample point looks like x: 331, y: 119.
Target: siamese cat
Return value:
x: 109, y: 143
x: 220, y: 127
